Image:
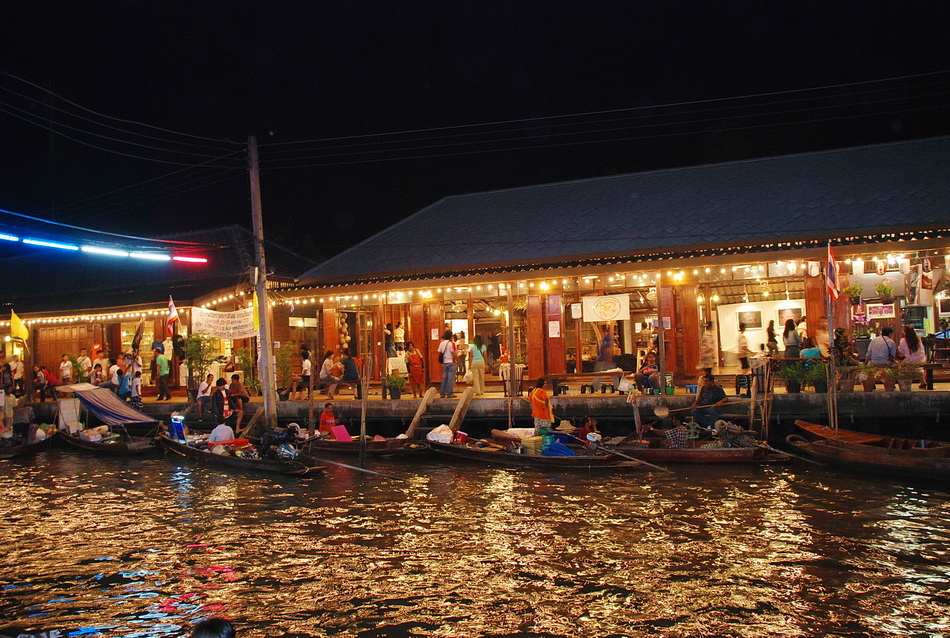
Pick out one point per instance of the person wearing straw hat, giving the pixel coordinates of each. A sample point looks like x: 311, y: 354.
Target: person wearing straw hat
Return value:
x: 708, y: 399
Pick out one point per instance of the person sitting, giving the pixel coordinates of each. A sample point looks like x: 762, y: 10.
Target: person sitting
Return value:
x: 809, y: 349
x: 882, y: 351
x: 95, y: 376
x: 351, y: 373
x: 221, y: 432
x: 327, y: 420
x: 330, y: 372
x: 649, y: 374
x: 678, y: 435
x: 709, y: 398
x: 588, y: 426
x: 204, y: 395
x: 301, y: 381
x: 125, y: 385
x: 239, y: 398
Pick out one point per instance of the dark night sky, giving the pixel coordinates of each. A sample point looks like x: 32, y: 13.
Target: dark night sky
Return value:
x: 294, y: 71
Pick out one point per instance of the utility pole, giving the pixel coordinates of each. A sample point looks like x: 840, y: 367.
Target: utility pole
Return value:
x: 264, y: 339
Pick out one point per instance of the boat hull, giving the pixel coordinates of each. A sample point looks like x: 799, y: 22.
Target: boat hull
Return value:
x: 871, y: 453
x: 25, y: 450
x: 702, y: 455
x: 302, y: 465
x: 352, y: 448
x: 131, y: 446
x: 499, y: 457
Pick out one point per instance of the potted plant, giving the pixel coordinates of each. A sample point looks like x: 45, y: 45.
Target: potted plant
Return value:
x: 199, y: 355
x: 888, y: 377
x: 818, y: 376
x: 906, y: 372
x: 395, y: 384
x: 884, y: 289
x: 867, y: 374
x: 854, y: 292
x: 794, y: 375
x: 847, y: 377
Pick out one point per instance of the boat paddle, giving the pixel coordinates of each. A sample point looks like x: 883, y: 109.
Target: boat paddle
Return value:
x: 358, y: 469
x: 621, y: 454
x: 765, y: 446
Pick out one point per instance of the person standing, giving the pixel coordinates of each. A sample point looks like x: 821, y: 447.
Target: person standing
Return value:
x: 792, y: 340
x: 240, y: 396
x: 540, y: 404
x: 416, y: 368
x: 707, y: 351
x: 85, y: 365
x: 399, y: 337
x: 17, y: 367
x: 65, y: 370
x: 771, y: 339
x: 743, y: 349
x: 220, y: 402
x: 351, y: 373
x: 389, y: 342
x: 163, y: 369
x: 446, y: 355
x: 477, y: 353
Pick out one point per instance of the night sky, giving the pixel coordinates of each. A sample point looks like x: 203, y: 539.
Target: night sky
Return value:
x: 654, y: 79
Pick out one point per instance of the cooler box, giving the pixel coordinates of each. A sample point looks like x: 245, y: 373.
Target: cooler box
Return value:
x: 532, y: 444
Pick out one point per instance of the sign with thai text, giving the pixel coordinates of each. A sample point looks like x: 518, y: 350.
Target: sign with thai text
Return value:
x: 880, y: 311
x: 606, y: 308
x: 223, y: 325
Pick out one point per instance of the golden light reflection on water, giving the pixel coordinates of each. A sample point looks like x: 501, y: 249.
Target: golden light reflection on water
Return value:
x: 469, y: 551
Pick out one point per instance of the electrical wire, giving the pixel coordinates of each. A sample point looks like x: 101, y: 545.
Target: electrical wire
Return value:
x: 620, y: 110
x: 117, y: 119
x: 597, y: 131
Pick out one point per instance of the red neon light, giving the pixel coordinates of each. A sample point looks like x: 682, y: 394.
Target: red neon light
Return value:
x: 190, y: 260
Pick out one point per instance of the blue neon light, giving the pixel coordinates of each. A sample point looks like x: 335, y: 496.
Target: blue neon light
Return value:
x: 9, y: 237
x: 50, y: 244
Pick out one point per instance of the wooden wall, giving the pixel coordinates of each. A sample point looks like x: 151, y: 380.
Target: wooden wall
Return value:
x: 534, y: 332
x: 556, y: 347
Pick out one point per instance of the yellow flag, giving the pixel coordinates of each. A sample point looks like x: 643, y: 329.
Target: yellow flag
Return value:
x: 17, y: 329
x: 257, y: 320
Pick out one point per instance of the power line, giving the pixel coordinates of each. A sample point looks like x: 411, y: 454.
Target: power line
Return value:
x: 117, y: 119
x: 612, y: 111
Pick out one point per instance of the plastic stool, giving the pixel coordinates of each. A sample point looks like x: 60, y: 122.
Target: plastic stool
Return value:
x: 587, y: 387
x: 604, y: 386
x: 692, y: 389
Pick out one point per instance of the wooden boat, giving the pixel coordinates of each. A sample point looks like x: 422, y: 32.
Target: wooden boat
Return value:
x: 121, y: 446
x: 301, y: 465
x: 496, y: 455
x: 390, y: 446
x: 873, y: 453
x: 701, y: 454
x: 13, y: 451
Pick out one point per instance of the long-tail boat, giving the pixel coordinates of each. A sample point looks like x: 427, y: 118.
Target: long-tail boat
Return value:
x: 301, y: 464
x: 14, y: 451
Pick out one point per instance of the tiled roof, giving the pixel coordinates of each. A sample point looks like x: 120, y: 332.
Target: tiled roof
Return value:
x: 44, y: 279
x: 870, y: 188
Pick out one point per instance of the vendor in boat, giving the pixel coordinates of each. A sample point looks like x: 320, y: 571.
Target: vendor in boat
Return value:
x: 222, y: 432
x: 328, y: 420
x: 23, y: 421
x: 540, y: 404
x: 709, y: 398
x: 588, y: 426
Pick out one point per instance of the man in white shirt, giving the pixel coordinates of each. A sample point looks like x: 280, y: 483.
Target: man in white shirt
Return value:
x: 16, y: 367
x: 66, y: 370
x: 222, y: 432
x: 204, y: 395
x: 85, y: 364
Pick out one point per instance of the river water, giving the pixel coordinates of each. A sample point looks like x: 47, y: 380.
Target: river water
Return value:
x: 111, y: 547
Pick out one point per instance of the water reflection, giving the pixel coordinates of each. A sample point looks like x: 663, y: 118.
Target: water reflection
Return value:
x: 98, y: 547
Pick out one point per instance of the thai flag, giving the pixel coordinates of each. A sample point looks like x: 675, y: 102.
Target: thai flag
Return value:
x: 172, y: 317
x: 832, y: 281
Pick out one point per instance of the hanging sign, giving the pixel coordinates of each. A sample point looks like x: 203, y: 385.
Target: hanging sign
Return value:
x: 223, y: 325
x: 606, y: 308
x: 880, y: 311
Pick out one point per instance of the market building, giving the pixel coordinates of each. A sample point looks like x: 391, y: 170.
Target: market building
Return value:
x: 742, y: 241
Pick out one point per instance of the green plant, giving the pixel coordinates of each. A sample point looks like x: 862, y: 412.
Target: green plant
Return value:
x: 283, y: 356
x: 793, y: 372
x: 868, y: 372
x: 854, y: 290
x: 396, y: 382
x: 80, y: 374
x: 906, y: 370
x: 247, y: 365
x: 816, y: 373
x: 199, y: 355
x: 884, y: 287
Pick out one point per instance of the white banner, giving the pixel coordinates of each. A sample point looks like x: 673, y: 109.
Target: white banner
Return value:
x: 223, y: 325
x: 606, y: 308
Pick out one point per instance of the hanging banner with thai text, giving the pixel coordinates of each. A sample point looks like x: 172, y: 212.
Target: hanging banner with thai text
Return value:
x: 606, y: 308
x: 223, y: 325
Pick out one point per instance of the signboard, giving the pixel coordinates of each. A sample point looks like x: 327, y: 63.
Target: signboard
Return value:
x: 554, y: 329
x: 880, y: 311
x: 606, y: 308
x: 223, y: 325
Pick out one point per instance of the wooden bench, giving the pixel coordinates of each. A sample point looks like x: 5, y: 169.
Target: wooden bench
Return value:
x: 559, y: 382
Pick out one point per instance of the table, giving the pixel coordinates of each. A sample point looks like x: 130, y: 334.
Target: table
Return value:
x: 929, y: 372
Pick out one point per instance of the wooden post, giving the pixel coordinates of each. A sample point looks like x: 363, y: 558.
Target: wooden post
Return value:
x: 461, y: 409
x: 423, y: 406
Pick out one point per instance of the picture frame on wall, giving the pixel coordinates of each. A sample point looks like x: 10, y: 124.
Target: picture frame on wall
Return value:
x: 784, y: 314
x: 751, y: 318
